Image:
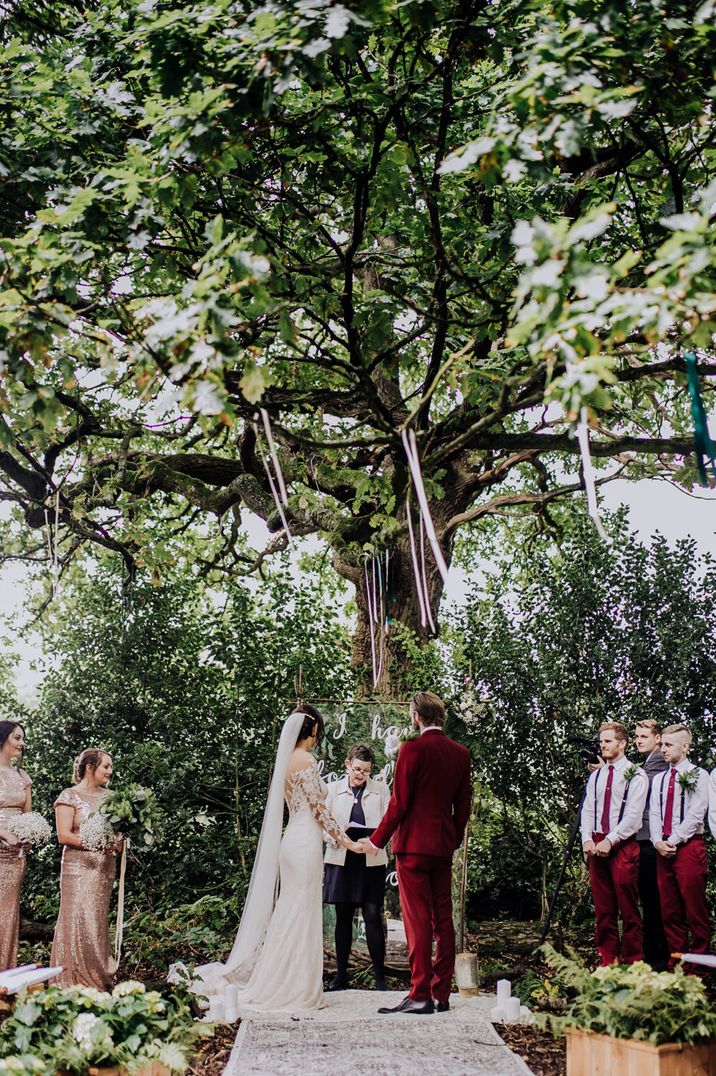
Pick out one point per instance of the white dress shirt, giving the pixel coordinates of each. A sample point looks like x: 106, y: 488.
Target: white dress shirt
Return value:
x: 690, y: 808
x: 712, y: 802
x: 628, y: 799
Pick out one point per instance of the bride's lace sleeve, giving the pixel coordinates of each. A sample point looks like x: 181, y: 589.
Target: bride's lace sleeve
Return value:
x: 306, y: 789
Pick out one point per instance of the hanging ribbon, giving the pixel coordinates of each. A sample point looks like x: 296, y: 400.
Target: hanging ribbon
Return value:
x: 371, y: 623
x: 279, y: 495
x: 588, y: 472
x: 411, y: 451
x: 119, y: 930
x: 703, y: 444
x: 416, y: 565
x: 423, y: 570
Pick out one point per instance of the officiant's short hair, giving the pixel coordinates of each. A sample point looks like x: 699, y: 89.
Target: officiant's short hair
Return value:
x: 430, y: 708
x: 362, y: 752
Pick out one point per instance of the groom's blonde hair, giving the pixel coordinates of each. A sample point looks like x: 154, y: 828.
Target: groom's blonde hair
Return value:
x: 429, y: 708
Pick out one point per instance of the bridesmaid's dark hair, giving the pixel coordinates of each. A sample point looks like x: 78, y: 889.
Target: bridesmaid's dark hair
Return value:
x: 7, y: 728
x: 313, y: 717
x: 88, y: 760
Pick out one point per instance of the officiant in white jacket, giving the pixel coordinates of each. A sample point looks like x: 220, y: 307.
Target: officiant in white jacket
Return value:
x: 350, y: 880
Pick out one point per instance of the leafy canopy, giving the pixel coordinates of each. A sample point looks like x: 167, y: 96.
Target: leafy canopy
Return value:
x: 445, y: 214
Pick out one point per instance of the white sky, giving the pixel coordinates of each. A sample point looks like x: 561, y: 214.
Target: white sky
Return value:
x: 654, y: 506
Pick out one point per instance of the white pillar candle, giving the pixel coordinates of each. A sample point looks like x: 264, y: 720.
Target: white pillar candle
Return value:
x: 512, y: 1009
x: 231, y: 1003
x: 216, y: 1010
x: 504, y: 991
x: 497, y: 1015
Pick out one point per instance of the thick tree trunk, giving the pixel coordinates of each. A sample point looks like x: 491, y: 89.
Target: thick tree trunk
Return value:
x: 385, y: 664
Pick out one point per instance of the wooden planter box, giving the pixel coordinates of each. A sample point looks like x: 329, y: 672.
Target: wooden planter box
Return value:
x: 155, y: 1069
x: 602, y: 1055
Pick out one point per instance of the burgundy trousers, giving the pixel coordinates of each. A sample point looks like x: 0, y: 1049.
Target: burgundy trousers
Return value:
x: 615, y: 888
x: 682, y: 889
x: 426, y: 899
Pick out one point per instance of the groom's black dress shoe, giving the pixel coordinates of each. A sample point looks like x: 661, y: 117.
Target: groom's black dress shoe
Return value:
x: 420, y: 1008
x: 338, y: 982
x: 442, y: 1006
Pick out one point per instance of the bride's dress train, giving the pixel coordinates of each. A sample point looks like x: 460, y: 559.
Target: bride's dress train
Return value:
x: 289, y: 972
x: 277, y: 957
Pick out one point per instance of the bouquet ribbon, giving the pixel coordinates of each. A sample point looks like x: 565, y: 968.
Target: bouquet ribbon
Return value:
x: 119, y: 930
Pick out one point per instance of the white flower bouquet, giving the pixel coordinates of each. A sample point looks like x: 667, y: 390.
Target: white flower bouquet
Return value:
x: 30, y: 828
x: 97, y: 833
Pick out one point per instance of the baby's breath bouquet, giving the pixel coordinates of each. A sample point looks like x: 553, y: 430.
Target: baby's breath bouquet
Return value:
x: 132, y: 812
x: 30, y: 828
x: 97, y: 834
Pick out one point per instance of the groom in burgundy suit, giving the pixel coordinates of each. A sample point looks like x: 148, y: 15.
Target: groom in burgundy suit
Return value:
x: 426, y: 819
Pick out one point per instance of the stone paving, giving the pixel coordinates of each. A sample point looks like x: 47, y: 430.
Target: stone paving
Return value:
x: 349, y: 1037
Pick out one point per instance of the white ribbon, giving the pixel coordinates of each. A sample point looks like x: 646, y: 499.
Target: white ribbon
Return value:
x: 411, y: 451
x: 119, y: 930
x: 416, y: 565
x: 588, y: 471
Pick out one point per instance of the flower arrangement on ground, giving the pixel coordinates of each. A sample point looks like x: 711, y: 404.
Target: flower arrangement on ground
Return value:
x: 631, y: 1001
x: 30, y: 828
x: 80, y: 1027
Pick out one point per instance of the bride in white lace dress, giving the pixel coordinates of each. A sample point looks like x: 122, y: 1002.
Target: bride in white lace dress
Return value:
x: 277, y: 957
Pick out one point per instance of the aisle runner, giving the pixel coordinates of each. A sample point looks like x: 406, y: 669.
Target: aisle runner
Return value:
x: 349, y: 1036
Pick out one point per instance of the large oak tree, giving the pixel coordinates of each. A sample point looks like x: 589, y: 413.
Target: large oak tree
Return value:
x: 479, y: 221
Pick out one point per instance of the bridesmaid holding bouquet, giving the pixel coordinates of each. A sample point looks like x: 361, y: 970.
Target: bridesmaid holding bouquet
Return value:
x: 15, y: 799
x: 81, y: 944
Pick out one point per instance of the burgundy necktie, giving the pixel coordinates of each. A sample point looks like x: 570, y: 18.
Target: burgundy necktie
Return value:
x: 669, y: 809
x: 607, y: 801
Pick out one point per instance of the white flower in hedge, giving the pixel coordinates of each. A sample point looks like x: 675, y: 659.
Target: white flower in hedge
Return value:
x: 92, y: 1033
x: 82, y: 1031
x: 89, y: 995
x: 172, y: 1056
x: 130, y: 986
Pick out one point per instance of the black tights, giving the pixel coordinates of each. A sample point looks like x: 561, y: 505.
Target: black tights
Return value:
x: 373, y: 919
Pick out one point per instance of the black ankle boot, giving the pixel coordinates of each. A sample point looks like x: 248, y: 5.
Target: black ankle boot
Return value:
x: 338, y: 982
x: 379, y: 979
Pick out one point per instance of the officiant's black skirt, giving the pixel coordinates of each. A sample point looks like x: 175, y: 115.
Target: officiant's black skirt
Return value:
x: 355, y: 883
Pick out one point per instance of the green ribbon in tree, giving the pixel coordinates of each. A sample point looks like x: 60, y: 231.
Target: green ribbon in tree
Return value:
x: 702, y: 442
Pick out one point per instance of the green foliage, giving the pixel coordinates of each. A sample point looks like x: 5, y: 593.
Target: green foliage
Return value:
x: 80, y: 1027
x: 434, y: 213
x: 132, y: 811
x: 188, y: 694
x: 630, y: 1001
x: 558, y: 637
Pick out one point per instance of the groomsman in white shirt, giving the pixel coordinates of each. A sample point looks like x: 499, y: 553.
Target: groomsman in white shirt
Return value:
x: 712, y: 802
x: 647, y: 738
x: 679, y: 801
x: 611, y: 816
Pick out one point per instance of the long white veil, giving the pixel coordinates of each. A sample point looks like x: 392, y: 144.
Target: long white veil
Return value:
x: 263, y: 887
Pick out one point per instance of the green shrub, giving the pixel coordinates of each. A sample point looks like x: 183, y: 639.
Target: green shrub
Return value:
x: 630, y: 1001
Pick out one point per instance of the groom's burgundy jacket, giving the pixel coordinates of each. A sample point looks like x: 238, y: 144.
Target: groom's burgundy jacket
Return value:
x: 430, y: 805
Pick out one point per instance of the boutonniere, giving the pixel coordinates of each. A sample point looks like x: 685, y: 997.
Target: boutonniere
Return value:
x: 630, y: 772
x: 689, y: 780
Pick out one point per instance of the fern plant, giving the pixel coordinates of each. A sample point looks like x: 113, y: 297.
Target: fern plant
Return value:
x: 630, y: 1001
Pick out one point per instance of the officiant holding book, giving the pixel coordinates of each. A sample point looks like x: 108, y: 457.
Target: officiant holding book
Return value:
x: 351, y: 880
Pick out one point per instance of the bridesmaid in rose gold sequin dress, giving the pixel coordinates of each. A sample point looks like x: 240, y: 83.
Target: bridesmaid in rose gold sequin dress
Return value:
x: 15, y: 798
x: 81, y: 944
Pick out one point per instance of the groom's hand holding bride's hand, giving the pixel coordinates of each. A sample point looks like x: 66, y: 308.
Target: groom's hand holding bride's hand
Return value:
x: 366, y: 848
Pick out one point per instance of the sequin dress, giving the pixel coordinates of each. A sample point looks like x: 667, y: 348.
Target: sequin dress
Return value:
x: 81, y: 944
x: 13, y: 799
